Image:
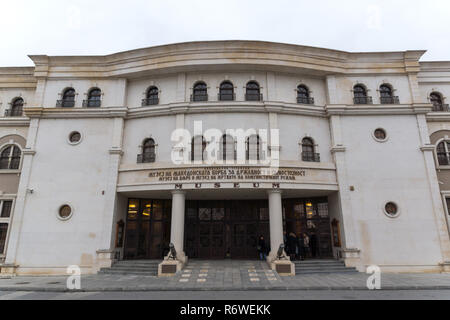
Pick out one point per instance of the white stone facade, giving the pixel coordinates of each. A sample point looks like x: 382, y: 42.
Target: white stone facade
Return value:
x: 96, y: 176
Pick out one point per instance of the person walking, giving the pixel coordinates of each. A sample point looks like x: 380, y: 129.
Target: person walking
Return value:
x: 262, y: 248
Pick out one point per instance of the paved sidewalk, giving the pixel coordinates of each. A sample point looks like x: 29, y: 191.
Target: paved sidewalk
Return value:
x: 228, y: 275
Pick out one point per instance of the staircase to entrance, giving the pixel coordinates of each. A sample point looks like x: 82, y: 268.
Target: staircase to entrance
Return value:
x: 322, y: 266
x: 136, y: 267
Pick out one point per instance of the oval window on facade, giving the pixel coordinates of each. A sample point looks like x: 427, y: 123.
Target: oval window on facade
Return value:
x: 74, y: 137
x: 380, y: 134
x: 65, y: 212
x: 391, y: 209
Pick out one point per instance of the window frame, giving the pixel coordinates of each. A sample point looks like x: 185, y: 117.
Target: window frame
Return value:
x: 94, y: 101
x: 6, y: 220
x: 148, y: 157
x: 10, y: 157
x: 446, y: 143
x: 440, y: 97
x: 231, y: 88
x: 15, y: 106
x: 196, y: 97
x: 257, y: 90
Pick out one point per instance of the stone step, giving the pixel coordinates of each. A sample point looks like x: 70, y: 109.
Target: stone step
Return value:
x: 325, y: 268
x: 329, y: 270
x: 139, y: 265
x: 143, y: 269
x: 128, y: 272
x: 323, y: 271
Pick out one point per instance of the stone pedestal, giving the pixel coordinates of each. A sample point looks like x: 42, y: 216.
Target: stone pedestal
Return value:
x: 445, y: 266
x: 283, y: 267
x: 8, y: 269
x: 169, y: 268
x: 351, y: 257
x: 104, y: 259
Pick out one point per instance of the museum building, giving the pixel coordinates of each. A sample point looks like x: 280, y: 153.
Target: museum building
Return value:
x: 351, y: 150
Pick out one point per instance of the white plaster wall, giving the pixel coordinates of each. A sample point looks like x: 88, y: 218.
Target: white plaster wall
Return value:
x: 372, y: 83
x: 389, y: 171
x: 7, y: 96
x: 137, y: 130
x: 239, y: 80
x: 60, y: 174
x: 113, y: 91
x: 294, y: 128
x: 286, y: 88
x: 442, y: 88
x: 137, y: 89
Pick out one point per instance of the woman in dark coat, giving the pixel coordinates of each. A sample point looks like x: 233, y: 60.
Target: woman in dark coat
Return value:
x: 292, y: 245
x: 262, y: 248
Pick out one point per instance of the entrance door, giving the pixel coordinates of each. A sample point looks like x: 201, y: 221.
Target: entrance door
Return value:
x: 147, y: 233
x: 219, y: 229
x: 310, y: 217
x: 245, y: 240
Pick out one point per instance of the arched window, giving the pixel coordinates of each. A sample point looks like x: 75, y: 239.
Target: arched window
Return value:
x: 387, y: 95
x: 198, y: 147
x: 10, y: 157
x: 360, y: 95
x: 308, y: 153
x: 200, y: 92
x: 94, y: 98
x: 436, y: 100
x: 253, y: 91
x: 152, y: 97
x: 226, y: 91
x: 227, y: 150
x: 68, y: 99
x: 148, y: 151
x: 303, y: 95
x: 254, y: 151
x: 443, y: 153
x: 16, y: 108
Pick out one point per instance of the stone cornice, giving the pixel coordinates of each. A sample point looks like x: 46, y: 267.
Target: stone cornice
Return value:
x: 14, y: 122
x: 210, y: 55
x: 438, y: 117
x: 364, y: 110
x: 218, y: 107
x: 226, y: 107
x: 75, y: 113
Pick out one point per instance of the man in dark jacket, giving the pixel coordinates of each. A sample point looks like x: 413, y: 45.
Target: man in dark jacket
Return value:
x: 262, y: 248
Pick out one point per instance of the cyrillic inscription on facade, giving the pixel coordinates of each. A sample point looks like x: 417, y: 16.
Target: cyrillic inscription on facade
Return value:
x: 225, y: 173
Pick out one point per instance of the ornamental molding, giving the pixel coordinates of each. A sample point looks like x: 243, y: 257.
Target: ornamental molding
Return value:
x: 75, y: 113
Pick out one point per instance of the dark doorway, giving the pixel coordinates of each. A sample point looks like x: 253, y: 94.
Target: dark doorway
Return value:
x: 225, y: 229
x: 310, y: 217
x: 147, y: 233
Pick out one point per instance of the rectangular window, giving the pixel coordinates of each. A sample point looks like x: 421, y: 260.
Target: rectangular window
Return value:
x: 6, y: 209
x: 3, y: 232
x: 448, y: 205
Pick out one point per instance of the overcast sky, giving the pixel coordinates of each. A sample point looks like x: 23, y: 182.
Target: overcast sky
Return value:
x: 97, y: 27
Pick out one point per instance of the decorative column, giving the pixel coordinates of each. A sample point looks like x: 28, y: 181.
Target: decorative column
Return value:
x: 276, y: 222
x: 171, y: 264
x: 177, y: 226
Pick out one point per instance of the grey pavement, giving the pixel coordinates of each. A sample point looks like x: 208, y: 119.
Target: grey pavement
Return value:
x: 230, y: 275
x: 258, y: 295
